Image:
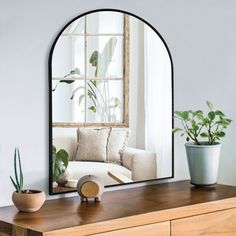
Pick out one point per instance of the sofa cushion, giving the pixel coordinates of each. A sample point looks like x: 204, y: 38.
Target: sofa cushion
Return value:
x: 117, y: 142
x: 92, y: 144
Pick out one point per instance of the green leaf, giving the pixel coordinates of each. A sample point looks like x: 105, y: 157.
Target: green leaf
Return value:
x: 93, y: 60
x: 204, y: 135
x: 195, y: 127
x: 81, y: 98
x: 93, y: 109
x: 60, y: 163
x: 54, y: 148
x: 228, y: 120
x: 68, y: 81
x: 219, y: 113
x: 185, y: 115
x: 15, y: 169
x: 198, y: 114
x: 76, y: 90
x: 175, y: 130
x: 211, y: 115
x: 14, y: 184
x: 209, y: 104
x: 94, y: 82
x: 21, y: 173
x: 219, y: 134
x: 206, y: 121
x: 182, y: 114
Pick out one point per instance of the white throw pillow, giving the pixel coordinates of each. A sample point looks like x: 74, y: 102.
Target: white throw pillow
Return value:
x: 92, y: 144
x: 117, y: 142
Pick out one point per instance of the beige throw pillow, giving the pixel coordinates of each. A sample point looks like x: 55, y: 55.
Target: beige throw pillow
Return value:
x: 117, y: 142
x: 92, y: 144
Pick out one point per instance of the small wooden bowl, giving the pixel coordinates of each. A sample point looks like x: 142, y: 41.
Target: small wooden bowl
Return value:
x: 28, y: 202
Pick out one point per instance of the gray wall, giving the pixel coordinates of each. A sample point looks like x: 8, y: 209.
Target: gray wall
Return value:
x: 201, y: 36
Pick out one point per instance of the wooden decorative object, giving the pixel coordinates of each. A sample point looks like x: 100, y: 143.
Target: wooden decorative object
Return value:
x: 176, y: 209
x: 90, y: 186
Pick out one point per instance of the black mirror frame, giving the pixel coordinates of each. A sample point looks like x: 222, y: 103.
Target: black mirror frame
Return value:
x: 50, y: 98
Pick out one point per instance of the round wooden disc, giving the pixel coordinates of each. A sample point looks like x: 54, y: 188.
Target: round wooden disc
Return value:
x: 89, y: 189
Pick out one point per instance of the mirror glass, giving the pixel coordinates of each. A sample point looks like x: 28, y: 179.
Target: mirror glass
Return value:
x: 111, y: 102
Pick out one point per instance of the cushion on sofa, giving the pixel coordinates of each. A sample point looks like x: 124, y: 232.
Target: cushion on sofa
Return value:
x: 117, y: 142
x: 92, y: 144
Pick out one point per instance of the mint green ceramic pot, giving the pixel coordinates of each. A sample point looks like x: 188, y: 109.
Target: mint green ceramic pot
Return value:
x: 203, y: 163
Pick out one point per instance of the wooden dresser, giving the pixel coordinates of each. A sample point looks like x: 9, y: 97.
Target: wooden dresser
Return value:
x: 175, y: 209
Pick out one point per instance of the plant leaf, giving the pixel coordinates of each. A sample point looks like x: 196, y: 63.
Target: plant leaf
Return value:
x: 15, y: 168
x: 21, y: 173
x: 175, y: 130
x: 75, y: 90
x: 93, y: 109
x: 209, y: 104
x: 211, y: 115
x: 68, y: 81
x: 198, y: 114
x: 219, y: 134
x: 204, y: 135
x: 54, y: 149
x: 219, y: 113
x: 81, y: 98
x: 14, y: 184
x: 182, y: 114
x: 60, y: 163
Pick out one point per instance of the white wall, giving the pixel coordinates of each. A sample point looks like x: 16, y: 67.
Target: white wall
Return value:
x: 200, y: 34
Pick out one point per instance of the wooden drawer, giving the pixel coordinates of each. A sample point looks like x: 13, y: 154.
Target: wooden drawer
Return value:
x: 159, y: 229
x: 221, y: 223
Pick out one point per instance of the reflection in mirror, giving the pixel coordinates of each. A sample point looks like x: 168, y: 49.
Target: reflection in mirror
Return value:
x: 111, y: 92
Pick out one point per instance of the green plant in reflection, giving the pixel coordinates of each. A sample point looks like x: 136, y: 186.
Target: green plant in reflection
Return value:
x: 59, y: 163
x: 97, y: 90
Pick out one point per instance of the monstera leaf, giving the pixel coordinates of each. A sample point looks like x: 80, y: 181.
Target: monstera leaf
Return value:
x: 102, y: 60
x: 60, y: 163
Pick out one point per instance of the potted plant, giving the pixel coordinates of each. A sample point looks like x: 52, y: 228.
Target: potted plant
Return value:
x: 25, y: 200
x: 60, y: 162
x: 203, y: 151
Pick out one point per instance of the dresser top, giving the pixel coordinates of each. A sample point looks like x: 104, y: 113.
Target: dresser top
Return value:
x: 163, y: 199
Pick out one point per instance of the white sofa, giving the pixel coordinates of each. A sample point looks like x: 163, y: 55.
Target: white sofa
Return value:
x: 137, y: 164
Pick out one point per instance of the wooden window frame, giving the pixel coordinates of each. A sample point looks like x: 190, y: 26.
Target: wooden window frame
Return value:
x: 126, y: 83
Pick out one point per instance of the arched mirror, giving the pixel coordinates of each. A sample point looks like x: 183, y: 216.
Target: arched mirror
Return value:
x: 111, y: 102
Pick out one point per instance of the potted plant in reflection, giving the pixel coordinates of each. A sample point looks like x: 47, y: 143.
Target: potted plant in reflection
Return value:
x: 203, y: 136
x: 96, y: 89
x: 26, y: 200
x: 60, y: 162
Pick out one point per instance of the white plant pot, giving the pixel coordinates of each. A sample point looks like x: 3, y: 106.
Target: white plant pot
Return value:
x: 203, y: 163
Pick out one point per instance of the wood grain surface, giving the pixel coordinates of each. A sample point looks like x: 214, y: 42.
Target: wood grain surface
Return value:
x: 123, y: 209
x: 159, y: 229
x: 221, y: 223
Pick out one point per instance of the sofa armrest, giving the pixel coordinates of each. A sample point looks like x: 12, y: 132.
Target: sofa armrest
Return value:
x: 142, y: 163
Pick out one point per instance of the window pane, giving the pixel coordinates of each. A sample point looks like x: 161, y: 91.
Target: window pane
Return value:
x: 68, y: 101
x: 105, y: 23
x: 104, y: 56
x: 62, y: 58
x: 76, y: 27
x: 104, y: 101
x: 68, y: 55
x: 78, y: 54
